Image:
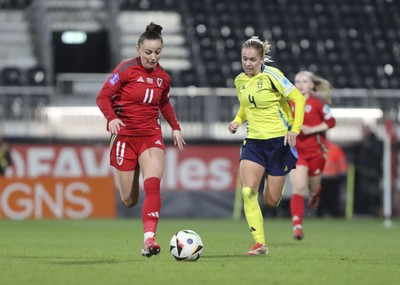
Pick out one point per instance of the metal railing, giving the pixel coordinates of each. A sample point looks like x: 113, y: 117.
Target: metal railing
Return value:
x: 69, y: 111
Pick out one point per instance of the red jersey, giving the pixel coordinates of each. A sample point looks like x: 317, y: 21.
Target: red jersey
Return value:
x: 316, y: 111
x: 136, y: 96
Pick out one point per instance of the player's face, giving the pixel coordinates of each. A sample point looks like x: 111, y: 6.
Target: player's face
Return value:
x: 304, y: 83
x: 251, y: 61
x: 150, y: 53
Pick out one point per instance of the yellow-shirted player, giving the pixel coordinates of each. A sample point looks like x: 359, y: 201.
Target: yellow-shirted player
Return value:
x: 268, y: 149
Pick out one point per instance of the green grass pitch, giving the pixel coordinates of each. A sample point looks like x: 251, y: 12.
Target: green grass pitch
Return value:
x: 47, y: 252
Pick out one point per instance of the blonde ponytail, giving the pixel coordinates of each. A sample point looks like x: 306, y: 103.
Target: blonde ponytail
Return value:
x: 263, y: 48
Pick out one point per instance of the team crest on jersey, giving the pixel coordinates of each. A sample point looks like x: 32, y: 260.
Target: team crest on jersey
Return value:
x: 159, y: 82
x: 149, y: 80
x: 260, y: 84
x: 307, y: 108
x: 113, y: 79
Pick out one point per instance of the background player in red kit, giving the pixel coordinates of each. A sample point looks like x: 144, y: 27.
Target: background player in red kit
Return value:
x: 310, y: 146
x: 130, y: 100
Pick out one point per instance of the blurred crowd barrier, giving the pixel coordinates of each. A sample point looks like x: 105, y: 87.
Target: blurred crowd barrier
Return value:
x: 68, y: 111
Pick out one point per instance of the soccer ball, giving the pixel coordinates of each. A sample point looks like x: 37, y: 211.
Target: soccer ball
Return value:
x: 186, y: 245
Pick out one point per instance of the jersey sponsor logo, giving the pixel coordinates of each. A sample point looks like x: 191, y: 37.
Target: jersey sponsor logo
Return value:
x: 113, y: 79
x: 159, y: 82
x: 120, y: 152
x: 140, y: 79
x: 149, y: 80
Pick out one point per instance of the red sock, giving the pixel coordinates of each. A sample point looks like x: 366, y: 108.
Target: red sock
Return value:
x: 151, y: 205
x: 297, y: 209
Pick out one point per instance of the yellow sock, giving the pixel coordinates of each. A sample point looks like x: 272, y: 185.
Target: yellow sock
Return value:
x: 253, y: 214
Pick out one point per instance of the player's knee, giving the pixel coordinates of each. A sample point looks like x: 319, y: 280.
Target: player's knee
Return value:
x: 130, y: 200
x: 129, y: 203
x: 299, y: 190
x: 248, y: 193
x: 133, y: 202
x: 272, y: 203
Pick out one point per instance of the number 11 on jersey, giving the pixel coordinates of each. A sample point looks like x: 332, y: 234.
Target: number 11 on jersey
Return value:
x: 148, y: 97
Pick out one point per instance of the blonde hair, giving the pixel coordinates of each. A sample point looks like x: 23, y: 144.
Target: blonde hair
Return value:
x: 322, y: 87
x: 263, y: 48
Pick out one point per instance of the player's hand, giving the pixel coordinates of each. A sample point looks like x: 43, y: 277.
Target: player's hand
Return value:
x: 290, y: 138
x: 115, y: 126
x: 233, y: 126
x: 178, y: 140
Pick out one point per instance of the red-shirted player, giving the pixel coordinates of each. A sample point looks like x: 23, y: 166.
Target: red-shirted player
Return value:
x: 131, y: 100
x: 310, y: 146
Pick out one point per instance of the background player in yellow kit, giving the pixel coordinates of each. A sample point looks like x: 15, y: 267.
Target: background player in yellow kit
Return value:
x: 268, y: 149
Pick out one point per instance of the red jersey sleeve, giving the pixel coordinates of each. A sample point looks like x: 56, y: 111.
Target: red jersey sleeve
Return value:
x: 108, y: 91
x: 327, y: 115
x: 167, y: 111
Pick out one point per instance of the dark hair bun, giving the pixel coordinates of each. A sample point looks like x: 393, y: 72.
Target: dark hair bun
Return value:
x: 154, y: 27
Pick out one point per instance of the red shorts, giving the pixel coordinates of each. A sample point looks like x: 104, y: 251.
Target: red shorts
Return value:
x: 314, y: 160
x: 125, y: 150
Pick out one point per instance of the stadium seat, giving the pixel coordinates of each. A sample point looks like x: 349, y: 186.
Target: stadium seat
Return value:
x: 11, y: 76
x: 334, y: 33
x: 36, y: 76
x: 322, y: 36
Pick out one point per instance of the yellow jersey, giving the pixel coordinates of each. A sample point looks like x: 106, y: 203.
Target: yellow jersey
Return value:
x: 264, y: 104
